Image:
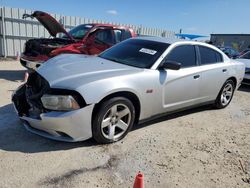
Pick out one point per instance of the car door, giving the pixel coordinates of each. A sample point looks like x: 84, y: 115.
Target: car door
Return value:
x: 99, y: 41
x: 121, y: 35
x: 182, y: 87
x: 214, y: 72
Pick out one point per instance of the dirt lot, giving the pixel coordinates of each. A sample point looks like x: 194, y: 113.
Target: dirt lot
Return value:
x: 198, y: 148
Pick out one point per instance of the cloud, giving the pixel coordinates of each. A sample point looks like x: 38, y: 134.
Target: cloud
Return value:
x: 113, y: 12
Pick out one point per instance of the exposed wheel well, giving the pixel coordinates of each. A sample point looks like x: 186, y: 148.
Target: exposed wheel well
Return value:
x: 234, y: 80
x: 231, y: 78
x: 129, y: 95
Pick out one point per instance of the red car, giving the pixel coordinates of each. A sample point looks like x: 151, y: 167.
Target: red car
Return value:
x: 88, y: 39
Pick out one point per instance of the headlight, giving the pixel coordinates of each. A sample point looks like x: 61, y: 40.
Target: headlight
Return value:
x: 59, y: 102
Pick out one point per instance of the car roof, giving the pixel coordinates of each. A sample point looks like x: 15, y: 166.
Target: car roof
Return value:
x: 179, y: 41
x: 160, y: 39
x: 173, y: 40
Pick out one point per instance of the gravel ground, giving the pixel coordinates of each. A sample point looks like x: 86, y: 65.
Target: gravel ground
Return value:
x: 196, y: 148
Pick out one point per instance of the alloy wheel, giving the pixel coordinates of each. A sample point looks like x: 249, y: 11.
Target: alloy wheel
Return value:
x: 116, y: 121
x: 226, y: 94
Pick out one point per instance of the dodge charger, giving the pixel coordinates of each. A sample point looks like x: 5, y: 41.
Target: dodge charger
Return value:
x: 74, y: 97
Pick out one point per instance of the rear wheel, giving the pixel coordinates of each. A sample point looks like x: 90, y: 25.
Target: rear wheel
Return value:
x: 226, y: 94
x: 113, y: 120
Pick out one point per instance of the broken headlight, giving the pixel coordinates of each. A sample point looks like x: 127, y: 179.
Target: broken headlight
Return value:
x: 59, y: 102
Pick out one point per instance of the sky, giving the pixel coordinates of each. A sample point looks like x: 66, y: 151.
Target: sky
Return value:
x: 192, y: 16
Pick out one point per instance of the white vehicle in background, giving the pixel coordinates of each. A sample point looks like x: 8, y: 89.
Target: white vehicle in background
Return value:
x: 245, y: 58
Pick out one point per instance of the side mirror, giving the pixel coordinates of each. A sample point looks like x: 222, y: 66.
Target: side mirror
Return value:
x: 172, y: 65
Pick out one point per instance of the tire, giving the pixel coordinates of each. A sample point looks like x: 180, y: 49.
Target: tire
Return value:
x: 225, y: 95
x: 113, y: 120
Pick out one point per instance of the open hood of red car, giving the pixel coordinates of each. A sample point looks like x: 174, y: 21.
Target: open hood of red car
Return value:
x: 50, y: 23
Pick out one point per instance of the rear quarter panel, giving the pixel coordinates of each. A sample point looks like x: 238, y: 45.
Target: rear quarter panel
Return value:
x: 237, y: 70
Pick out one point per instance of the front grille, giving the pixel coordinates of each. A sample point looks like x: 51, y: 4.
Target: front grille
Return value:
x: 36, y: 86
x: 27, y: 98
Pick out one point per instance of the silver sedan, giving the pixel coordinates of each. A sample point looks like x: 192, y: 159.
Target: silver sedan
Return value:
x: 76, y: 97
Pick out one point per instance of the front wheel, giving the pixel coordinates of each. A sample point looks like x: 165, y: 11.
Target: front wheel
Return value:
x: 114, y: 118
x: 226, y: 94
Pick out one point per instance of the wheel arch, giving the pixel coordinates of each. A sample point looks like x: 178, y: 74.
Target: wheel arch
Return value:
x: 127, y: 94
x: 230, y: 78
x: 218, y: 103
x: 234, y: 80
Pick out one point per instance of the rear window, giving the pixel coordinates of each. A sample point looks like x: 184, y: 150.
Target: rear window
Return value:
x: 135, y: 52
x: 209, y: 56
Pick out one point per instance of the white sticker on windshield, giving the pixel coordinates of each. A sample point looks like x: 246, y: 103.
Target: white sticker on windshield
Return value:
x: 147, y: 51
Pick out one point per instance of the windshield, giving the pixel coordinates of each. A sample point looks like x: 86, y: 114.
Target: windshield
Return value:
x: 135, y: 52
x: 79, y: 32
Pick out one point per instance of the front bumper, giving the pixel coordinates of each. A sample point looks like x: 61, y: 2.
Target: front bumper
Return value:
x: 71, y: 126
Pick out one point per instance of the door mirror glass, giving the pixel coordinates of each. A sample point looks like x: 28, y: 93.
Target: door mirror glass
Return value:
x: 172, y: 65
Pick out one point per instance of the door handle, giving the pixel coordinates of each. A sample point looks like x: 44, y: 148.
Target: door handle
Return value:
x: 224, y: 70
x: 196, y: 76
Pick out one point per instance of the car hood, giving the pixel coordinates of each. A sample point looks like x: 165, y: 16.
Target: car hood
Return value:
x: 50, y: 23
x: 71, y: 71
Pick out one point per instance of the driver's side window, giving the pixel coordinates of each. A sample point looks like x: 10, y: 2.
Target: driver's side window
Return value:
x: 184, y: 54
x: 104, y: 37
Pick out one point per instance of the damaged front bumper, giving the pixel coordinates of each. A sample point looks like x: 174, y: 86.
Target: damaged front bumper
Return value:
x: 70, y: 126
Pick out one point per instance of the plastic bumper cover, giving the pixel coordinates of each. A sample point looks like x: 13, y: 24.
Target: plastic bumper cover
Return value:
x: 70, y: 126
